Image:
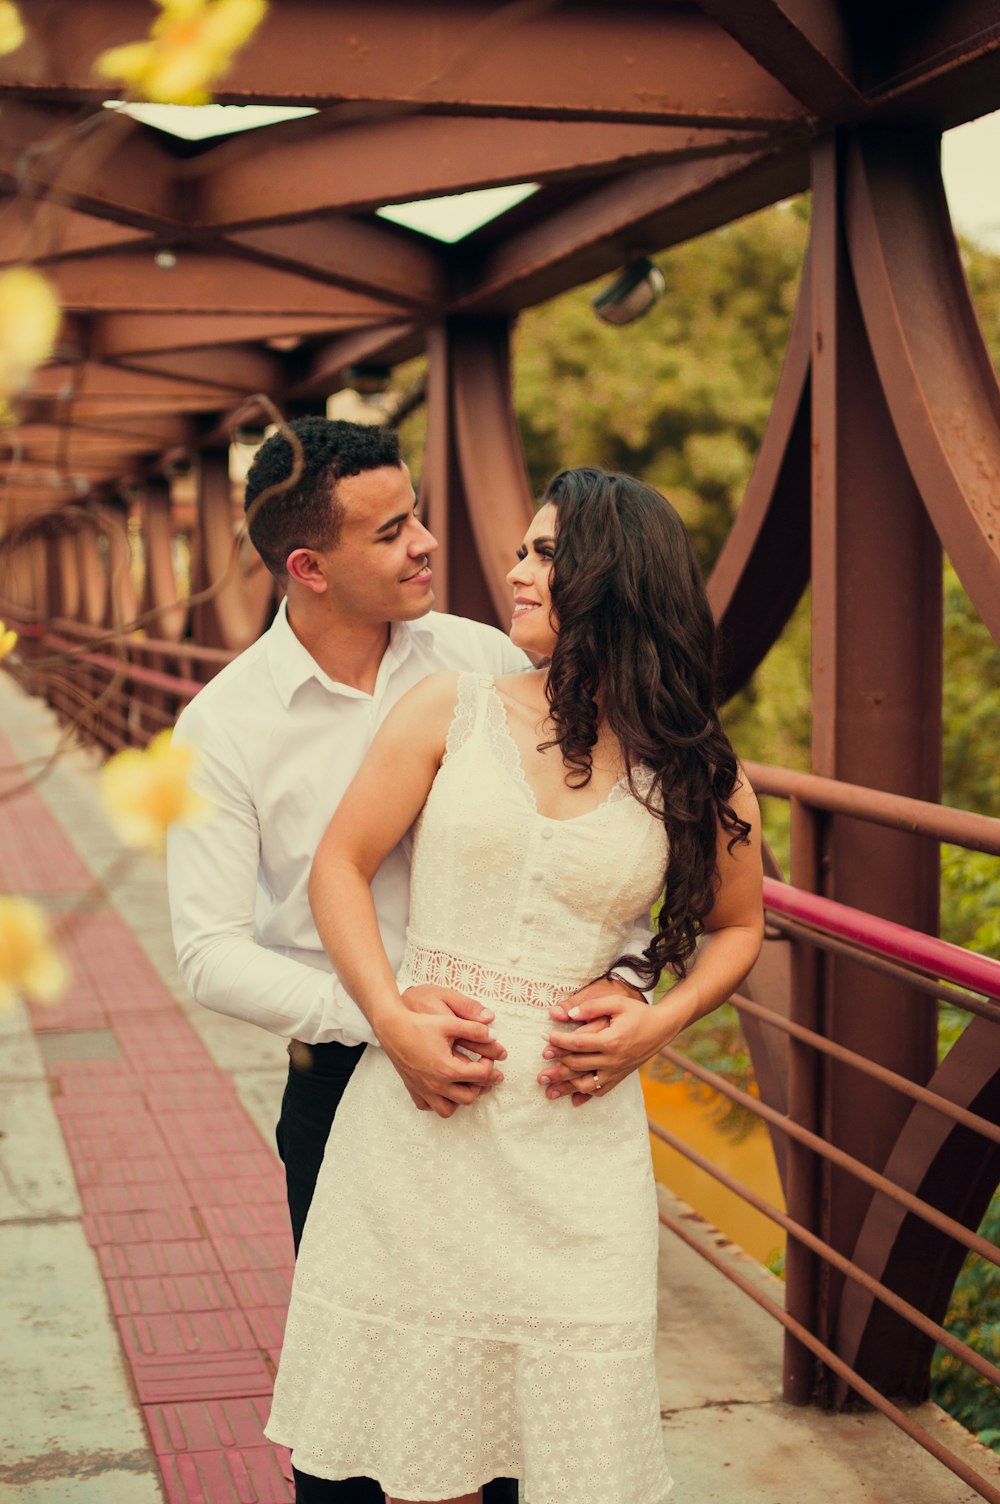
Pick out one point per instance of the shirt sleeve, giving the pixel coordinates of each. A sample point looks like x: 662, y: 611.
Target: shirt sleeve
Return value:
x: 635, y: 943
x: 212, y: 868
x: 496, y: 652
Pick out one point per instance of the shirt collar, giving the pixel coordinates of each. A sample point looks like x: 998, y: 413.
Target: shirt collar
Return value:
x: 292, y: 664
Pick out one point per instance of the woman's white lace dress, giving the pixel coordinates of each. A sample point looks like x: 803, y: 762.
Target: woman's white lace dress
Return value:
x: 475, y: 1297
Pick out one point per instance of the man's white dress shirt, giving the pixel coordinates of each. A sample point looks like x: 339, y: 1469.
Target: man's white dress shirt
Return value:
x: 278, y: 742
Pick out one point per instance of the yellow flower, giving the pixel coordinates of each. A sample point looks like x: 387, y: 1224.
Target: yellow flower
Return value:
x: 11, y: 27
x: 190, y: 46
x: 8, y: 640
x: 145, y: 792
x: 28, y: 962
x: 29, y: 323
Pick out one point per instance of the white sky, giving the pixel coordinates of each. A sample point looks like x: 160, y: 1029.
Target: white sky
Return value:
x: 970, y: 154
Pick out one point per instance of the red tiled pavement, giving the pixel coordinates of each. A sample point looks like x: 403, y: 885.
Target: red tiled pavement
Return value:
x: 35, y: 855
x: 182, y: 1202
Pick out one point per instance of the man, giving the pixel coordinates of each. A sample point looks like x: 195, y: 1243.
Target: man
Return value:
x: 280, y: 733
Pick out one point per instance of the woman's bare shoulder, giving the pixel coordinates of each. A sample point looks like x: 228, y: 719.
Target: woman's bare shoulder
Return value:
x: 432, y: 696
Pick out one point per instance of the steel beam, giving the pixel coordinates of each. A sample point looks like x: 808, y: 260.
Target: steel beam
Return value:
x: 953, y: 1168
x: 634, y: 215
x: 109, y: 166
x: 129, y: 282
x: 231, y: 368
x: 803, y: 43
x: 391, y: 265
x: 94, y: 382
x: 234, y: 615
x: 159, y: 581
x: 388, y: 345
x: 489, y: 458
x: 876, y: 711
x: 469, y: 56
x: 763, y: 568
x: 475, y: 486
x: 114, y: 335
x: 30, y: 231
x: 364, y: 166
x: 939, y: 69
x: 936, y: 371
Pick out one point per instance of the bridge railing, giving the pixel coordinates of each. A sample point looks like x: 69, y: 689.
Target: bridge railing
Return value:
x: 128, y: 690
x: 121, y: 690
x: 928, y: 965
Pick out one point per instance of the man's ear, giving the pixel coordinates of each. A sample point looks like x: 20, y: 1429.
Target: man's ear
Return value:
x: 306, y: 568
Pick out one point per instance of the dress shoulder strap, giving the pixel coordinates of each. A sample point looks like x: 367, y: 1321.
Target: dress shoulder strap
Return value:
x: 470, y: 710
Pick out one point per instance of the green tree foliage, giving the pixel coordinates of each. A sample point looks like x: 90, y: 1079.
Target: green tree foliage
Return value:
x: 681, y: 397
x: 975, y: 1319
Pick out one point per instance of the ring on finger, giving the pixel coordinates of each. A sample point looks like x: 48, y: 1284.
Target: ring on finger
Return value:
x: 597, y: 1080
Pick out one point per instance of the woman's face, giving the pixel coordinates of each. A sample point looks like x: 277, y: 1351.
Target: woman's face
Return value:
x: 532, y: 625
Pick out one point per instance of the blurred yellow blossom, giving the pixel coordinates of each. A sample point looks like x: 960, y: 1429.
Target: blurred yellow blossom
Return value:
x: 145, y: 792
x: 190, y: 45
x: 29, y: 963
x: 8, y: 640
x: 29, y: 323
x: 11, y: 27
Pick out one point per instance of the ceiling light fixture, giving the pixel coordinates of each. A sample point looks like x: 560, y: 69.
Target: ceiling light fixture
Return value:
x: 632, y: 293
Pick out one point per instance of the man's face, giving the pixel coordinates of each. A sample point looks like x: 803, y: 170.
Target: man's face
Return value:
x: 380, y: 569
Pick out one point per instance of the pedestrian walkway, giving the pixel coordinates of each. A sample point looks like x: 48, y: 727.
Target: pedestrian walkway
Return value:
x: 145, y: 1252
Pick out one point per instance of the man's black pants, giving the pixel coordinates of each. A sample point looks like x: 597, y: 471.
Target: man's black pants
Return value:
x: 317, y: 1076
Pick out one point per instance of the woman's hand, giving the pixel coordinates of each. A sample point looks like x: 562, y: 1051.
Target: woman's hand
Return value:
x: 619, y: 1032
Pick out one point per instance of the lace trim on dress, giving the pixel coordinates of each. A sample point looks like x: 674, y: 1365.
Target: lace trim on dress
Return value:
x: 502, y: 743
x: 488, y: 984
x: 506, y: 751
x: 464, y: 718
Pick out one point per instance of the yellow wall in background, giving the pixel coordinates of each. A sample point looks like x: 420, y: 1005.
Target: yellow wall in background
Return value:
x: 674, y: 1106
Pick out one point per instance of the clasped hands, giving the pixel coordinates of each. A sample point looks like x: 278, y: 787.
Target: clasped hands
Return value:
x: 443, y: 1049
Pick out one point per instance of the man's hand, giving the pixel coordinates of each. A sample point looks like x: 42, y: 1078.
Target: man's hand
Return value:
x: 425, y: 1044
x: 618, y: 1032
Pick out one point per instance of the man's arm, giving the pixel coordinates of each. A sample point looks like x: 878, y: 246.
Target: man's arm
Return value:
x: 212, y: 880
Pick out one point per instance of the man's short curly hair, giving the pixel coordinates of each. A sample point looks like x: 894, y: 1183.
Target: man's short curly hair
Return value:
x: 308, y: 515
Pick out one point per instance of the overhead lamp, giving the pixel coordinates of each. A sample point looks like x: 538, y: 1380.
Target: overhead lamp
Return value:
x: 250, y: 434
x: 368, y: 380
x: 632, y: 293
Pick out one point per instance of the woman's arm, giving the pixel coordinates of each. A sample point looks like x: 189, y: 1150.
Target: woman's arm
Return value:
x: 734, y: 931
x: 379, y: 807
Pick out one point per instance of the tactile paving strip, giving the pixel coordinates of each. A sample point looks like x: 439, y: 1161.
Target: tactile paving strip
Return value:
x: 184, y: 1207
x: 35, y: 855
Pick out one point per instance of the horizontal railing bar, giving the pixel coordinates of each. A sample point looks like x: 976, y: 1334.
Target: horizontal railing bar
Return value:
x: 868, y: 1067
x: 154, y: 712
x: 182, y: 688
x: 818, y: 1245
x: 836, y: 1156
x: 135, y: 643
x: 826, y: 1355
x: 971, y: 1002
x: 960, y: 827
x: 965, y: 967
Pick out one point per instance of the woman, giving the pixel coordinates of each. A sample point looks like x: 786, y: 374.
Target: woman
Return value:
x: 475, y: 1296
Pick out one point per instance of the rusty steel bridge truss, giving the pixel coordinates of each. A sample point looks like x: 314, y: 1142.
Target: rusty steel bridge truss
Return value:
x: 644, y: 124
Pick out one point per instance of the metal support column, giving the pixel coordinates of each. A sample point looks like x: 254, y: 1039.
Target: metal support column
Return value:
x: 876, y: 572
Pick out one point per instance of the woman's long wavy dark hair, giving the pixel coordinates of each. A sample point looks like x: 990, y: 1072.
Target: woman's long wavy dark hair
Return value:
x: 637, y: 646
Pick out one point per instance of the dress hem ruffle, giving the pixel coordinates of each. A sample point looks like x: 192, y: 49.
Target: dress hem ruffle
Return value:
x: 364, y: 1468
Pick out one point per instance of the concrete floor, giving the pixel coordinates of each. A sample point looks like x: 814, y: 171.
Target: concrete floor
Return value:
x: 75, y: 1432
